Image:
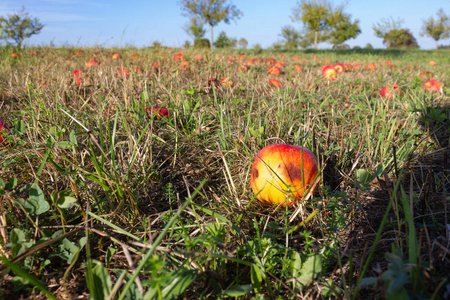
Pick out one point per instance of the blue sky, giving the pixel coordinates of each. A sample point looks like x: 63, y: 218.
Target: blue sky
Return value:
x: 139, y: 23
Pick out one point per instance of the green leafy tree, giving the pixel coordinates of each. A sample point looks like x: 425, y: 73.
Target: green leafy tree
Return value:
x: 195, y: 29
x: 388, y: 29
x: 223, y: 41
x: 290, y: 36
x: 19, y: 26
x: 402, y: 38
x: 314, y: 14
x: 341, y: 27
x: 243, y: 43
x: 202, y: 43
x: 210, y: 12
x: 437, y: 29
x: 324, y: 22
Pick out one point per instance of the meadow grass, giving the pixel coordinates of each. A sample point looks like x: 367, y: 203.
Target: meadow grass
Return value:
x: 101, y: 197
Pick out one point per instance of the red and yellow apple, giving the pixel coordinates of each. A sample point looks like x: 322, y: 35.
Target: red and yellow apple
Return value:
x: 275, y: 71
x: 283, y: 173
x: 297, y: 68
x: 243, y: 69
x: 124, y: 72
x: 338, y: 67
x: 432, y: 85
x: 388, y: 91
x: 91, y: 63
x: 371, y: 67
x: 275, y: 83
x: 269, y: 62
x: 329, y: 73
x: 179, y: 57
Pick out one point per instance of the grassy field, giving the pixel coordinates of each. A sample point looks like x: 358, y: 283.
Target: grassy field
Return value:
x: 101, y: 197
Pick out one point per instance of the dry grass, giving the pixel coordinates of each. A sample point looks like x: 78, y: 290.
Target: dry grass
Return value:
x: 114, y: 173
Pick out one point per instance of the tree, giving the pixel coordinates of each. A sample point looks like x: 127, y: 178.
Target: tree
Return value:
x: 386, y: 29
x: 290, y: 36
x: 19, y: 26
x: 341, y: 28
x: 437, y: 29
x: 195, y: 29
x: 314, y: 15
x: 242, y: 43
x: 223, y: 41
x: 324, y: 22
x: 210, y: 12
x: 402, y: 38
x: 202, y: 43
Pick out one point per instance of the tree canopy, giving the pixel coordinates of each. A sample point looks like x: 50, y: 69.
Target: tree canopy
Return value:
x: 210, y: 12
x: 291, y: 37
x: 195, y: 29
x: 437, y: 29
x: 324, y: 22
x: 393, y: 35
x: 19, y: 26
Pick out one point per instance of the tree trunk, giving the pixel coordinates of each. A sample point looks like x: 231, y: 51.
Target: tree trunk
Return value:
x: 211, y: 29
x: 316, y: 35
x: 437, y: 47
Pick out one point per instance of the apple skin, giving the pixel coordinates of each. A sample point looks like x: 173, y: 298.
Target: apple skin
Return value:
x: 338, y: 67
x: 329, y: 73
x: 279, y: 168
x: 432, y: 85
x: 161, y: 111
x: 4, y: 131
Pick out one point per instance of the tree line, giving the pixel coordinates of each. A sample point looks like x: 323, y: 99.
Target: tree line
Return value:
x: 322, y: 22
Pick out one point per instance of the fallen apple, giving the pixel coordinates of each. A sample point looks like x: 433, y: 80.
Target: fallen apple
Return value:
x: 4, y: 132
x: 432, y: 85
x: 329, y: 73
x: 91, y: 63
x: 179, y: 57
x: 283, y: 173
x: 338, y: 67
x: 275, y: 83
x: 124, y: 72
x: 161, y: 111
x: 371, y: 67
x: 388, y: 91
x: 275, y: 71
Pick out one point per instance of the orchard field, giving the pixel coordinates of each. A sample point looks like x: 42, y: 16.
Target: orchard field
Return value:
x: 104, y: 195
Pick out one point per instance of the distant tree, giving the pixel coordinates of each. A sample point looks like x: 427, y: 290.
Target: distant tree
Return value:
x: 324, y: 22
x: 202, y: 43
x: 291, y: 37
x: 156, y: 45
x: 341, y: 27
x: 437, y: 29
x: 242, y: 43
x: 19, y: 26
x: 210, y: 12
x: 278, y: 45
x: 314, y: 14
x: 341, y: 46
x: 402, y: 38
x: 368, y: 46
x: 187, y: 44
x: 257, y: 48
x: 195, y: 29
x: 223, y: 41
x: 387, y: 29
